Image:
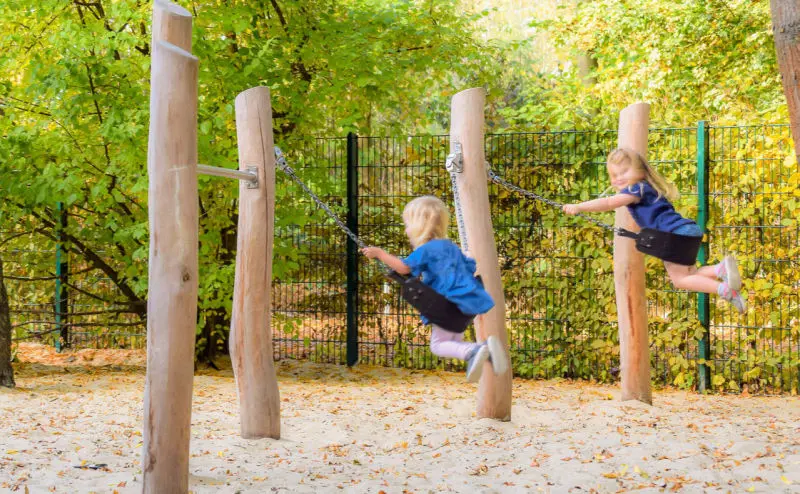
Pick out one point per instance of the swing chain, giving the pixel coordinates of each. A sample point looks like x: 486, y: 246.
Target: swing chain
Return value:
x: 455, y: 164
x: 515, y: 188
x: 280, y: 160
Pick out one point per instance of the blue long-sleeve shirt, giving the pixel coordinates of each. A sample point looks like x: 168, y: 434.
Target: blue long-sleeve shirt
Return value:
x: 448, y: 271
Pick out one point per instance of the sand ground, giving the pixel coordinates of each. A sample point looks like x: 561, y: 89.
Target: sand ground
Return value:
x: 387, y: 430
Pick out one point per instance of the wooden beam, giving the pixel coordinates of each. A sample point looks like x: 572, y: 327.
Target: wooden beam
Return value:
x: 251, y: 332
x: 172, y: 296
x: 629, y: 274
x: 466, y: 127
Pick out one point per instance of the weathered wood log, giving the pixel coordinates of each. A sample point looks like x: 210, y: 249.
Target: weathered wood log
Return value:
x: 466, y: 127
x: 172, y: 296
x: 629, y: 275
x: 251, y: 331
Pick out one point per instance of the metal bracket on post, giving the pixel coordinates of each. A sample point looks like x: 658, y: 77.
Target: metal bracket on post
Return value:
x: 253, y: 184
x: 280, y: 160
x: 455, y: 160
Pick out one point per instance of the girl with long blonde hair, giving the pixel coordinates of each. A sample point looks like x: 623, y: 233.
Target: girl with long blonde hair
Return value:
x: 447, y: 270
x: 648, y: 196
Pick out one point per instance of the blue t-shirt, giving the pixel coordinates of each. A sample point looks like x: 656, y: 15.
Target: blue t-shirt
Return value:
x: 653, y: 211
x: 448, y: 271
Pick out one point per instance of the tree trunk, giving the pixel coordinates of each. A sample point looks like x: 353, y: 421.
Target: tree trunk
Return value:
x: 6, y: 371
x: 786, y: 32
x: 587, y: 64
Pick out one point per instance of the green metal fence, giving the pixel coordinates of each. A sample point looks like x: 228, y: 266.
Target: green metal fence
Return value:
x: 741, y: 183
x: 557, y: 271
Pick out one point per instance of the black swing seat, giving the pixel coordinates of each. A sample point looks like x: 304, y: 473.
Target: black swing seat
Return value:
x: 431, y: 304
x: 670, y: 247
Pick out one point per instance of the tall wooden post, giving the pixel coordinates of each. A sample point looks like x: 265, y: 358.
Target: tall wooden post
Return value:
x: 251, y: 333
x: 629, y: 274
x: 172, y: 24
x: 785, y: 19
x: 172, y: 297
x: 466, y: 128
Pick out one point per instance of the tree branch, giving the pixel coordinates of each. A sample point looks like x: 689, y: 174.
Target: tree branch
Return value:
x: 94, y: 259
x: 280, y: 15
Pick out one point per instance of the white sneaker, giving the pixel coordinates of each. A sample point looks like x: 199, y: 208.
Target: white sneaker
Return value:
x: 738, y: 302
x: 729, y: 273
x: 732, y: 296
x: 475, y: 363
x: 497, y: 355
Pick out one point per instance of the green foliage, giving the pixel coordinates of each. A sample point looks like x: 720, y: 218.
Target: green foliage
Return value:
x: 74, y: 81
x: 690, y: 60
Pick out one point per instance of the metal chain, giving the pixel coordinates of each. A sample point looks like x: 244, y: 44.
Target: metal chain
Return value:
x: 280, y: 160
x: 454, y: 165
x: 508, y: 185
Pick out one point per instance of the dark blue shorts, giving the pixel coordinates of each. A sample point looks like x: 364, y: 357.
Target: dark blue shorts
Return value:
x: 690, y: 230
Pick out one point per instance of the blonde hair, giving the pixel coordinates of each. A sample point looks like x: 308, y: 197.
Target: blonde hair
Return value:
x: 655, y: 179
x: 426, y: 218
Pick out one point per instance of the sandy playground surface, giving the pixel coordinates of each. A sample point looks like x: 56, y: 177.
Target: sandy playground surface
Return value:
x: 393, y: 431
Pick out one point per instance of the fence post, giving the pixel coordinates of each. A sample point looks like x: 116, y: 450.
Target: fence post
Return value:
x: 704, y: 349
x: 62, y: 278
x: 352, y: 249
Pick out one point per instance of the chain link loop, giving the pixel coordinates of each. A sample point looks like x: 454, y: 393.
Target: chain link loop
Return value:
x: 455, y: 164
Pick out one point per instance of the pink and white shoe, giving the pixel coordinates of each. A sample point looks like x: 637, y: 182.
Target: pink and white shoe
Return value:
x: 732, y: 296
x: 728, y: 271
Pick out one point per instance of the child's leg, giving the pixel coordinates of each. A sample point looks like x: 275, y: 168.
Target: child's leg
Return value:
x: 709, y: 271
x: 688, y: 278
x: 691, y: 278
x: 450, y: 345
x: 726, y: 270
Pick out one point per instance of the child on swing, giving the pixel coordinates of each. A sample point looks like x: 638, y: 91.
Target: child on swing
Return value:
x: 647, y: 195
x: 451, y: 273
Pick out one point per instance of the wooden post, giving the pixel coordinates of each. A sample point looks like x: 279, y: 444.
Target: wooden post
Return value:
x: 629, y: 275
x: 466, y: 127
x: 785, y: 19
x: 172, y: 24
x: 172, y: 297
x: 251, y: 334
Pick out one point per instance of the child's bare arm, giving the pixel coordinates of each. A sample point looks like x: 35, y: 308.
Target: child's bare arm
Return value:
x: 390, y: 260
x: 601, y: 204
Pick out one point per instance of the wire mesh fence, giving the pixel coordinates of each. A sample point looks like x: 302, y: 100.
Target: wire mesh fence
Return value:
x: 557, y: 270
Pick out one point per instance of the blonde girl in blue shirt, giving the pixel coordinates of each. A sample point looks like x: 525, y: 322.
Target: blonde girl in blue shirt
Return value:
x: 451, y: 273
x: 647, y: 196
